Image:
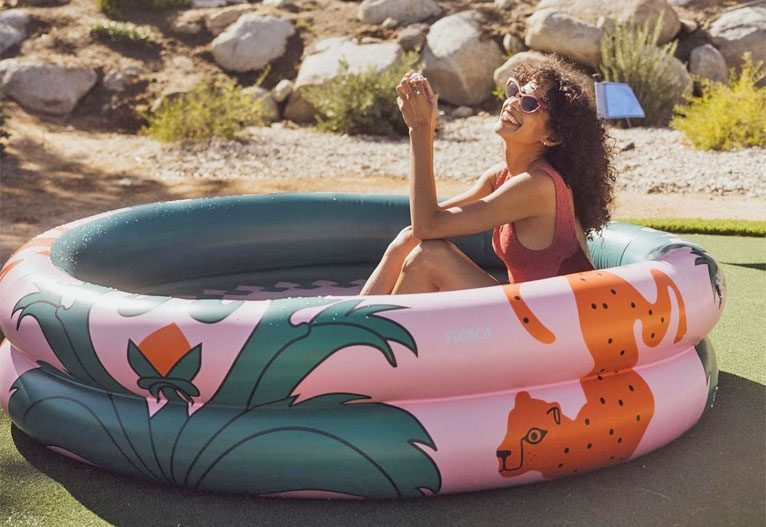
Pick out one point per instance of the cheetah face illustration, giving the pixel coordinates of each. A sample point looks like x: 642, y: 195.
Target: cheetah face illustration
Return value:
x: 529, y: 424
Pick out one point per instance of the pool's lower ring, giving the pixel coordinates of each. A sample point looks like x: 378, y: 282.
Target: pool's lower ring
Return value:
x: 187, y: 343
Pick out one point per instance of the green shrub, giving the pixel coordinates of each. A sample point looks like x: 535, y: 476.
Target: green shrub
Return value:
x: 726, y: 117
x: 630, y: 54
x: 120, y: 32
x: 214, y: 108
x: 117, y: 7
x: 362, y: 103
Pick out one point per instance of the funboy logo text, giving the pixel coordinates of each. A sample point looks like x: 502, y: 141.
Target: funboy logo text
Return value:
x: 468, y: 334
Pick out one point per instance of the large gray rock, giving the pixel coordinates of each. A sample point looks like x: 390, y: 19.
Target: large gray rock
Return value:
x: 739, y: 31
x: 188, y: 22
x: 412, y: 36
x: 458, y: 62
x: 217, y: 21
x: 525, y: 57
x: 251, y: 42
x: 49, y: 88
x: 13, y: 28
x: 707, y: 62
x: 282, y: 90
x: 682, y: 83
x: 403, y: 11
x: 640, y: 11
x: 323, y: 66
x: 551, y: 30
x: 120, y: 79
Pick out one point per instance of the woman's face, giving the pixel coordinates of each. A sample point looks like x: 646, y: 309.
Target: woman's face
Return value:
x: 520, y: 127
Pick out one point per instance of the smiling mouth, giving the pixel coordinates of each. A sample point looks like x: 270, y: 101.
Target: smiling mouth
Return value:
x: 507, y: 116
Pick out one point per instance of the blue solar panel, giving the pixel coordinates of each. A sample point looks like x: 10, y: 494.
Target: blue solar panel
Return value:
x: 615, y: 100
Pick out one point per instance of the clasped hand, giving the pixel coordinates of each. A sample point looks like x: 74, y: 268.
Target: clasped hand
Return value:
x: 417, y: 102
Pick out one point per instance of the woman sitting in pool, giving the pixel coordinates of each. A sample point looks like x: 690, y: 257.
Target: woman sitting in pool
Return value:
x: 553, y: 189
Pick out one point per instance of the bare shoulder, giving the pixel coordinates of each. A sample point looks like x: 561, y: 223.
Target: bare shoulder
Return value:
x: 492, y: 173
x: 534, y: 185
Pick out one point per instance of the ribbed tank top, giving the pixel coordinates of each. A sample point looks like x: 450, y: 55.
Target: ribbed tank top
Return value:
x: 563, y: 256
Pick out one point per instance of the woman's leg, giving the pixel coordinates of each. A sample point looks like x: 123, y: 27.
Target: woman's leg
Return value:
x: 437, y: 265
x: 385, y: 275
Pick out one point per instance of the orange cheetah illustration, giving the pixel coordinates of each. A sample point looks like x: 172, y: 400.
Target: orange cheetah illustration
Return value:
x: 618, y: 408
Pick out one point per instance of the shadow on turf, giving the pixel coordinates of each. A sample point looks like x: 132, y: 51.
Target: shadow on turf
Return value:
x: 712, y: 475
x: 757, y: 266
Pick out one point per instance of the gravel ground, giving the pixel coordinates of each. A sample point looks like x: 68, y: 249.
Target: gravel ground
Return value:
x: 659, y: 161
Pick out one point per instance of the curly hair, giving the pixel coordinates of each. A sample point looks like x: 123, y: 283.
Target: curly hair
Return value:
x: 584, y: 155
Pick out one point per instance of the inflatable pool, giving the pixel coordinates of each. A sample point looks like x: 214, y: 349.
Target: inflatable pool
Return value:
x: 220, y: 344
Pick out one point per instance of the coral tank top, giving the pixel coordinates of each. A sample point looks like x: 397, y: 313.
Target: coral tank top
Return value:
x: 563, y: 256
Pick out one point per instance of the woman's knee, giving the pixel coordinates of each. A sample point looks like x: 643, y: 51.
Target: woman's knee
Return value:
x: 405, y: 241
x: 427, y: 254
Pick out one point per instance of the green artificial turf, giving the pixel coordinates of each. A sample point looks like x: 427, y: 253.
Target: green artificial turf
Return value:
x: 712, y: 475
x: 739, y: 338
x: 703, y: 226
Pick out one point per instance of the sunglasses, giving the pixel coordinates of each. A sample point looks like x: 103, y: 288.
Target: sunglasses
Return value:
x: 529, y: 103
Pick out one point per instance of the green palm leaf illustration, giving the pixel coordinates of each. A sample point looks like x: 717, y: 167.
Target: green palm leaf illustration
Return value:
x: 111, y: 431
x: 135, y: 305
x: 66, y: 330
x: 703, y: 258
x: 250, y: 428
x: 361, y: 448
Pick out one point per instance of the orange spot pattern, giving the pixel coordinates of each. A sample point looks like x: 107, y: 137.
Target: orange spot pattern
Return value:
x: 164, y: 348
x: 618, y: 407
x: 530, y: 322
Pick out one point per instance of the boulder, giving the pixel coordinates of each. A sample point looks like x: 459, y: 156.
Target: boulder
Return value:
x: 13, y: 28
x: 188, y: 22
x: 217, y: 21
x: 458, y: 62
x: 739, y: 31
x: 118, y: 80
x: 251, y: 42
x: 513, y: 44
x: 504, y: 4
x: 323, y: 66
x: 412, y: 36
x: 282, y: 90
x: 390, y: 23
x: 200, y: 4
x: 683, y: 82
x: 271, y: 110
x: 49, y: 88
x: 525, y: 57
x: 640, y: 11
x: 551, y: 30
x: 707, y: 62
x: 403, y: 11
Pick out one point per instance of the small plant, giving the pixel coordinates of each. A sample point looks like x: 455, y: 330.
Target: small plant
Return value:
x: 726, y: 117
x: 117, y: 7
x: 362, y: 103
x: 630, y: 54
x: 120, y: 32
x: 214, y: 108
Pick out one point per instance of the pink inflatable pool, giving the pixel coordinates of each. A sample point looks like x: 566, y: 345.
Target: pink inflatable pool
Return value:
x: 184, y: 343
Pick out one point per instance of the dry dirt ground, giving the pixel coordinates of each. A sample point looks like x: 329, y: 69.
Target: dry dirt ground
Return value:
x: 51, y: 174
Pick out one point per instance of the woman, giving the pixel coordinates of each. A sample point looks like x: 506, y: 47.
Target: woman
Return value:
x: 553, y: 189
